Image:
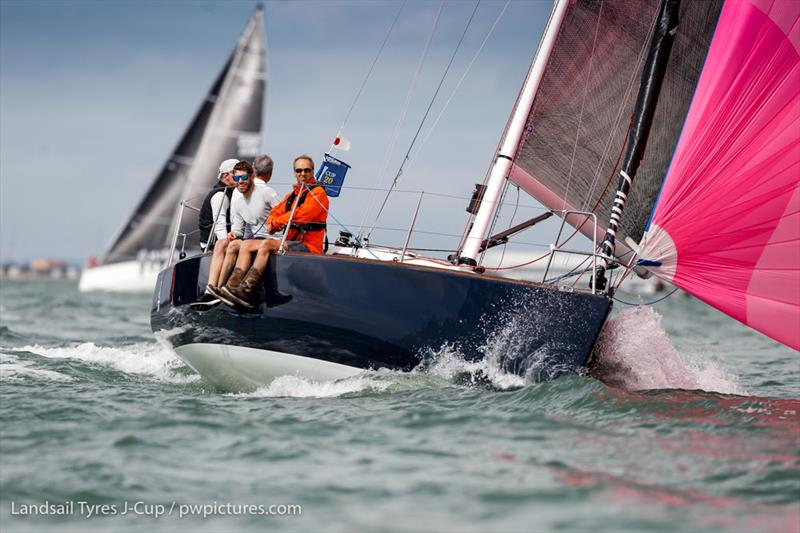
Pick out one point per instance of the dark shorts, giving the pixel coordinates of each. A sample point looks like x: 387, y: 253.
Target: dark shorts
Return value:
x: 296, y: 246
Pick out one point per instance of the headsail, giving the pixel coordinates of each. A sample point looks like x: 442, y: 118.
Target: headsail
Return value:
x: 227, y: 124
x: 727, y: 224
x: 577, y: 126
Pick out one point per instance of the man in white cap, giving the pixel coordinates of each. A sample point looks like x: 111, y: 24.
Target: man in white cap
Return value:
x: 215, y: 218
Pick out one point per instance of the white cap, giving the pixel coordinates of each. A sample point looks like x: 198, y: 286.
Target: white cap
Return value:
x: 226, y: 166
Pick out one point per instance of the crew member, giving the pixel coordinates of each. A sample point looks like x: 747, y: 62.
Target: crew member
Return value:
x: 263, y: 167
x: 307, y: 207
x: 251, y: 204
x: 215, y: 217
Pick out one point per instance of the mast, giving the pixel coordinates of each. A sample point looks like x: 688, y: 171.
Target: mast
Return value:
x: 646, y: 101
x: 508, y: 149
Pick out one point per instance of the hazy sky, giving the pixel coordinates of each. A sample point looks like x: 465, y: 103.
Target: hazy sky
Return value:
x: 94, y: 95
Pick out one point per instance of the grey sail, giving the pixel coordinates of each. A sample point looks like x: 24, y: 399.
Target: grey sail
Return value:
x: 578, y: 124
x: 227, y: 125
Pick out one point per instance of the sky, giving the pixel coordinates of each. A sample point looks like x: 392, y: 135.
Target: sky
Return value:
x: 94, y: 96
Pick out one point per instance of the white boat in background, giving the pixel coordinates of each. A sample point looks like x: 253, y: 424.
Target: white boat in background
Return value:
x: 227, y: 125
x: 124, y: 276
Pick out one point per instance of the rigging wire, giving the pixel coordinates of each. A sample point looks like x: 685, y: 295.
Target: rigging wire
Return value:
x: 461, y: 80
x: 620, y: 112
x: 630, y: 85
x: 396, y: 133
x: 427, y: 111
x: 510, y: 224
x: 496, y: 217
x: 583, y: 106
x: 673, y: 291
x: 371, y: 67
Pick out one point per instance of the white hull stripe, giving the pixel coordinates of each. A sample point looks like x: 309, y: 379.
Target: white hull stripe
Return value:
x: 238, y: 368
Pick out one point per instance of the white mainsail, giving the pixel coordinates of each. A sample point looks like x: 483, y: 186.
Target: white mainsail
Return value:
x: 227, y: 125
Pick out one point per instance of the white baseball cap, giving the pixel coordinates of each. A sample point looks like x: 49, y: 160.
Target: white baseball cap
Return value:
x: 226, y: 166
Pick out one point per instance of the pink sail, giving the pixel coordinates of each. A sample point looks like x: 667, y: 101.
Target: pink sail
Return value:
x: 726, y: 227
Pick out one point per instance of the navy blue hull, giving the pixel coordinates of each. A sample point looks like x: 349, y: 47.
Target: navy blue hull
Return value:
x: 370, y: 314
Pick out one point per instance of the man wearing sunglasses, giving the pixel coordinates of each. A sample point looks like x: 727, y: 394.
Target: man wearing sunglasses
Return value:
x: 307, y: 207
x: 250, y: 206
x: 215, y: 217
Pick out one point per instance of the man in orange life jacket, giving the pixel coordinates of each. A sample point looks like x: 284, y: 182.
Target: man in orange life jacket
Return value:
x: 307, y: 207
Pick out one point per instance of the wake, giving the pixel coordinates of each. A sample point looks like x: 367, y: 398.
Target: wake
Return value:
x: 635, y: 353
x: 144, y: 359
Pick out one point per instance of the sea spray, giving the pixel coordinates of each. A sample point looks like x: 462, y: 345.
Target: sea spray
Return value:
x: 634, y: 352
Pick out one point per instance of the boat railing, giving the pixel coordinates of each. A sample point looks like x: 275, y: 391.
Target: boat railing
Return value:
x: 178, y: 234
x: 424, y: 232
x: 557, y: 246
x: 424, y: 235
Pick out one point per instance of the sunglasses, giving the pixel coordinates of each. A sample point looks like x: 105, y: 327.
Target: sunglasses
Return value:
x: 303, y: 170
x: 243, y: 178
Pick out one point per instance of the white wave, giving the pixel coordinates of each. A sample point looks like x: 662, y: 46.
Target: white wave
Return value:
x: 12, y: 369
x: 299, y: 387
x: 635, y: 353
x: 448, y: 363
x: 142, y: 358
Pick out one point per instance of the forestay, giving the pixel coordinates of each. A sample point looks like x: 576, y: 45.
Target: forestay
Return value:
x: 579, y: 120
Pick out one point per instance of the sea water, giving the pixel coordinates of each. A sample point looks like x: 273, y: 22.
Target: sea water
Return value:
x: 690, y: 422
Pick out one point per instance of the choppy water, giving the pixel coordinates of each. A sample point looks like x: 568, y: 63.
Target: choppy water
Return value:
x: 695, y: 426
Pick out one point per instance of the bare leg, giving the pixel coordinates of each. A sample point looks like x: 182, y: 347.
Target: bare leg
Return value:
x: 230, y: 259
x: 266, y: 249
x: 216, y: 261
x: 246, y: 252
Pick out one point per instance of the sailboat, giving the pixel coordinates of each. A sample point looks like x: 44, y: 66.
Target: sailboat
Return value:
x: 664, y: 131
x: 226, y: 125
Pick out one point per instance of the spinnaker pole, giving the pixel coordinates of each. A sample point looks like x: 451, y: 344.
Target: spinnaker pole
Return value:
x: 508, y: 149
x: 655, y: 69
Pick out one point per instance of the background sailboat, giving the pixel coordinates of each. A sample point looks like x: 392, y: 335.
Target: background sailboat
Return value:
x: 227, y: 125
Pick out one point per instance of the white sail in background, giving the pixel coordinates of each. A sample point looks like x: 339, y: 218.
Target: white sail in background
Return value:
x: 227, y: 125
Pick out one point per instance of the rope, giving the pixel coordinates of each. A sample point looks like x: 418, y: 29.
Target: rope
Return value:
x: 372, y: 67
x: 460, y: 81
x: 647, y: 303
x: 427, y: 111
x: 495, y: 218
x: 403, y: 112
x: 583, y: 106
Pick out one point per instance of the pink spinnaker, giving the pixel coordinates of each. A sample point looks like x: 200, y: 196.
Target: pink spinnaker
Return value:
x: 726, y: 227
